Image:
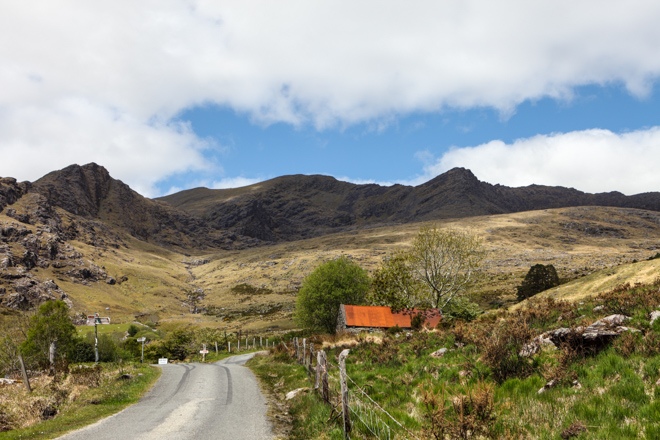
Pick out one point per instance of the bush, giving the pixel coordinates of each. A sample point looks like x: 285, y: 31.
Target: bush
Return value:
x: 132, y: 330
x: 461, y: 308
x: 51, y: 323
x: 501, y: 348
x: 335, y: 282
x: 539, y: 278
x: 470, y: 415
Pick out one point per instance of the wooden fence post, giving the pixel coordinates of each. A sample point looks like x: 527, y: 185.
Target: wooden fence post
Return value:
x: 24, y: 372
x: 325, y: 388
x: 304, y: 353
x: 344, y: 392
x: 317, y: 382
x: 310, y: 361
x: 51, y: 357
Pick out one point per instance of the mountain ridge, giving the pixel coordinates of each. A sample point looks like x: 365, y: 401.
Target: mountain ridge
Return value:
x: 80, y: 235
x: 296, y: 207
x: 292, y: 207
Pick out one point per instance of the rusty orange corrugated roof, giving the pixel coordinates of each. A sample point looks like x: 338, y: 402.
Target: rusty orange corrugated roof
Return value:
x: 369, y: 316
x: 403, y: 318
x: 383, y: 317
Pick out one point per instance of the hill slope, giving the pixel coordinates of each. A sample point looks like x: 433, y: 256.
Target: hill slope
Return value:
x: 80, y: 235
x: 296, y: 207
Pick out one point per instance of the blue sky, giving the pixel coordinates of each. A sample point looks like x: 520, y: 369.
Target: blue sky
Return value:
x: 400, y: 151
x: 175, y: 94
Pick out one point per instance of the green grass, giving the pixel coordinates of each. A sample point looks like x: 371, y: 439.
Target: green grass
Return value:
x: 612, y: 393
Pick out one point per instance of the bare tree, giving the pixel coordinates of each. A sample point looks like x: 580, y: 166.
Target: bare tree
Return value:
x: 446, y: 261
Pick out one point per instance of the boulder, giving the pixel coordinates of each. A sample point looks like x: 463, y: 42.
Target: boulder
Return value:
x: 597, y: 334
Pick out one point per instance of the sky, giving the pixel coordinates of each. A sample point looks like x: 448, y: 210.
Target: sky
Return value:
x: 176, y: 94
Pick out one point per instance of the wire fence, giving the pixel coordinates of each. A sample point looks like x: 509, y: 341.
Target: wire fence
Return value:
x: 362, y: 416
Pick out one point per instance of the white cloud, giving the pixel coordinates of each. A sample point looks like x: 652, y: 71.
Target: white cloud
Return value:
x: 102, y: 81
x: 589, y: 160
x: 38, y: 140
x: 234, y: 182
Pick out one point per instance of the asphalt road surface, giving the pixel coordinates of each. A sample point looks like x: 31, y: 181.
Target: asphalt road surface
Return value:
x: 191, y: 401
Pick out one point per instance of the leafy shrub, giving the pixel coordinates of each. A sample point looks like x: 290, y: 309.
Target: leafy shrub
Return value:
x: 469, y: 415
x: 393, y: 330
x: 539, y: 278
x: 627, y: 300
x: 417, y: 321
x: 461, y: 308
x: 628, y: 343
x: 248, y: 289
x: 501, y: 349
x: 132, y: 330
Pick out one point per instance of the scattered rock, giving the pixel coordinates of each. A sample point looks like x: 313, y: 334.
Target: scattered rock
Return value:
x: 551, y: 384
x: 655, y: 315
x: 291, y: 394
x: 439, y: 353
x: 573, y: 431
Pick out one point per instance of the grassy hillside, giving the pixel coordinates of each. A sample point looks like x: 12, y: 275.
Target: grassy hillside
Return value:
x: 592, y: 248
x: 482, y: 386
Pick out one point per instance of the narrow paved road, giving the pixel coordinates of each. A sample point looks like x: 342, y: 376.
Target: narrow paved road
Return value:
x: 191, y: 401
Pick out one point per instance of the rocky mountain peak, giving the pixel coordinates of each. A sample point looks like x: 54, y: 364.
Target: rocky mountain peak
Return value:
x: 78, y: 189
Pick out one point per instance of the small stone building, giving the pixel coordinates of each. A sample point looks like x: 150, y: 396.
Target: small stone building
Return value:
x: 359, y: 318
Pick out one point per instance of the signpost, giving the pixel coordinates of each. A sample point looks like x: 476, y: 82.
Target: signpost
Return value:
x: 204, y: 351
x: 142, y: 339
x: 95, y: 320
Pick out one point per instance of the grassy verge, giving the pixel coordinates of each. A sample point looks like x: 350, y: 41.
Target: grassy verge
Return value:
x: 304, y: 417
x: 82, y: 397
x: 482, y: 387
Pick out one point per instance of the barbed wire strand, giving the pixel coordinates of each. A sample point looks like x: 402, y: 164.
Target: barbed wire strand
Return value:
x: 381, y: 408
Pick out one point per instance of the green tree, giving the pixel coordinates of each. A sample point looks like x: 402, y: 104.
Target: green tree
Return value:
x: 394, y: 283
x: 539, y: 278
x: 51, y: 323
x: 335, y: 282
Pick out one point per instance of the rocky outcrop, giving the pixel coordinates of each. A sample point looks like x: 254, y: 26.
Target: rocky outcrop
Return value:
x: 596, y: 335
x: 29, y: 293
x: 11, y: 191
x: 298, y: 207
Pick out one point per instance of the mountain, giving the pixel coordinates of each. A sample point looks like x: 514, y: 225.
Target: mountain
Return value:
x: 80, y: 235
x: 89, y: 192
x: 298, y: 207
